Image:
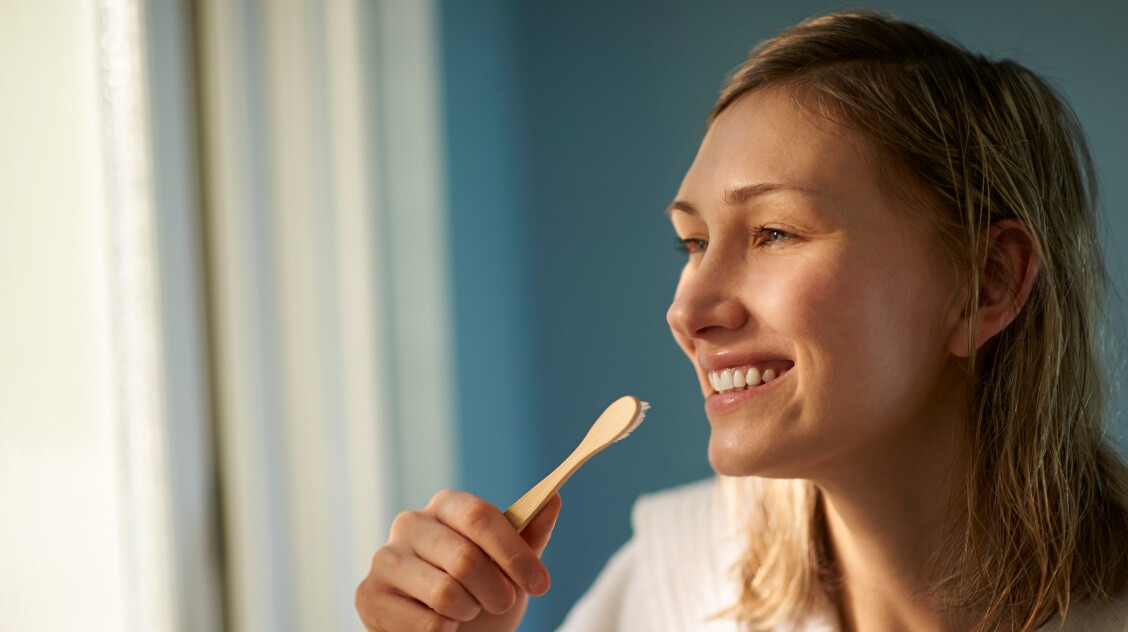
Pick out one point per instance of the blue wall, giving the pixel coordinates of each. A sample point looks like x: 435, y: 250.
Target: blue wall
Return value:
x: 570, y: 125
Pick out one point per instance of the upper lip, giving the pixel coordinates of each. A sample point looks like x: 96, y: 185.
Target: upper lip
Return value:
x: 728, y: 358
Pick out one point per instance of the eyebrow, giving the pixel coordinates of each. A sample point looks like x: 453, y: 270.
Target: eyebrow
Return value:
x: 739, y: 196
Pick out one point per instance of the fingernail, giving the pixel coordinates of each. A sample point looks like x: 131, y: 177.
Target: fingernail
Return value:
x: 538, y: 583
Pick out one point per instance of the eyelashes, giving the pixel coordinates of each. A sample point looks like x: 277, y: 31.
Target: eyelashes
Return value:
x: 690, y: 246
x: 762, y: 237
x: 767, y: 236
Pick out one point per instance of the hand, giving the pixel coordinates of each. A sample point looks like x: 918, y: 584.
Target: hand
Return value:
x: 455, y: 565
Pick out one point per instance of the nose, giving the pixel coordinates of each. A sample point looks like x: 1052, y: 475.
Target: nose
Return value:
x: 707, y: 299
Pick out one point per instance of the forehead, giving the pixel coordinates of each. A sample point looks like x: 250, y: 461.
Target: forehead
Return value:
x: 771, y: 136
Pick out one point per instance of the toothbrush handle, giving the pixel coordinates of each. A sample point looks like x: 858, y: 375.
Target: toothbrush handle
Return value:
x: 622, y: 416
x: 525, y: 508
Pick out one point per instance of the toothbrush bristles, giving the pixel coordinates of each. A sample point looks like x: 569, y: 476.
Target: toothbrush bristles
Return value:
x: 643, y: 407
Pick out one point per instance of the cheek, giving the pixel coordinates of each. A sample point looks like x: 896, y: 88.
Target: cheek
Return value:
x: 855, y: 319
x: 814, y: 302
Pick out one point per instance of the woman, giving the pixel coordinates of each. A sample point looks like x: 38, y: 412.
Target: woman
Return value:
x: 890, y: 299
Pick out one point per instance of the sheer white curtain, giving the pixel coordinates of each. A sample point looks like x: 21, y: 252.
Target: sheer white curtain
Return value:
x: 324, y: 211
x: 105, y: 449
x: 224, y: 340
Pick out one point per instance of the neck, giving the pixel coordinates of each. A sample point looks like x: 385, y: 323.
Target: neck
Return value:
x: 890, y: 517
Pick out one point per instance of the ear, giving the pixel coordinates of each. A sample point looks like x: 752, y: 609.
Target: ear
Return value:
x: 1008, y: 274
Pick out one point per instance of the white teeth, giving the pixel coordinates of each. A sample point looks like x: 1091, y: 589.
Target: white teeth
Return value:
x: 726, y: 380
x: 753, y: 377
x: 732, y: 379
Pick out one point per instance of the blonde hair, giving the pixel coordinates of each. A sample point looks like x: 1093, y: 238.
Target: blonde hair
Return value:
x: 1046, y: 498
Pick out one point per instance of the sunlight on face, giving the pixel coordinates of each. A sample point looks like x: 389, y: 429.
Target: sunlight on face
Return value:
x: 802, y: 270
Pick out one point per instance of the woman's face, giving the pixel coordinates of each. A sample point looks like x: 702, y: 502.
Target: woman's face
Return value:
x: 801, y: 269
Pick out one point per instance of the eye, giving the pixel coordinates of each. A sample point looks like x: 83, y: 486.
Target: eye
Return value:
x: 690, y: 246
x: 766, y: 236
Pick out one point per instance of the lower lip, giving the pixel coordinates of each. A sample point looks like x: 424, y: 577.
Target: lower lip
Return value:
x: 719, y: 403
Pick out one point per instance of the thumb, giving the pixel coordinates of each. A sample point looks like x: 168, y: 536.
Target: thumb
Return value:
x: 537, y: 533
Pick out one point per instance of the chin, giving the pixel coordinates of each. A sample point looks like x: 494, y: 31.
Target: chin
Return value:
x: 751, y: 457
x: 728, y: 461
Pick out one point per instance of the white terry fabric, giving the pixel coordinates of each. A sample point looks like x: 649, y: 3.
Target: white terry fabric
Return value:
x: 674, y: 575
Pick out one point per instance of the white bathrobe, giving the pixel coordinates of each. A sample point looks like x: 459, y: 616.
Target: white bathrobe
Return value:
x: 674, y: 575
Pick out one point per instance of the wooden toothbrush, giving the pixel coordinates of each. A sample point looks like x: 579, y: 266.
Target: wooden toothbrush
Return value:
x: 616, y: 422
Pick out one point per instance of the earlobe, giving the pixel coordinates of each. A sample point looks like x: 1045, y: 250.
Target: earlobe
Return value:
x: 1006, y: 280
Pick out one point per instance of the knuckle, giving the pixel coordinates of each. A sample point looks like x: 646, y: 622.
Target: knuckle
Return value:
x: 387, y: 558
x: 443, y: 497
x: 403, y: 523
x: 368, y: 604
x: 361, y: 596
x: 445, y: 594
x: 477, y: 513
x: 465, y: 561
x: 514, y: 559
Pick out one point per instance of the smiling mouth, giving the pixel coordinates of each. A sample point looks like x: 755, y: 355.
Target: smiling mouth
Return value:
x: 744, y: 377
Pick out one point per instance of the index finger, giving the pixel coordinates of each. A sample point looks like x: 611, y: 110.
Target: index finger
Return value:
x: 485, y: 525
